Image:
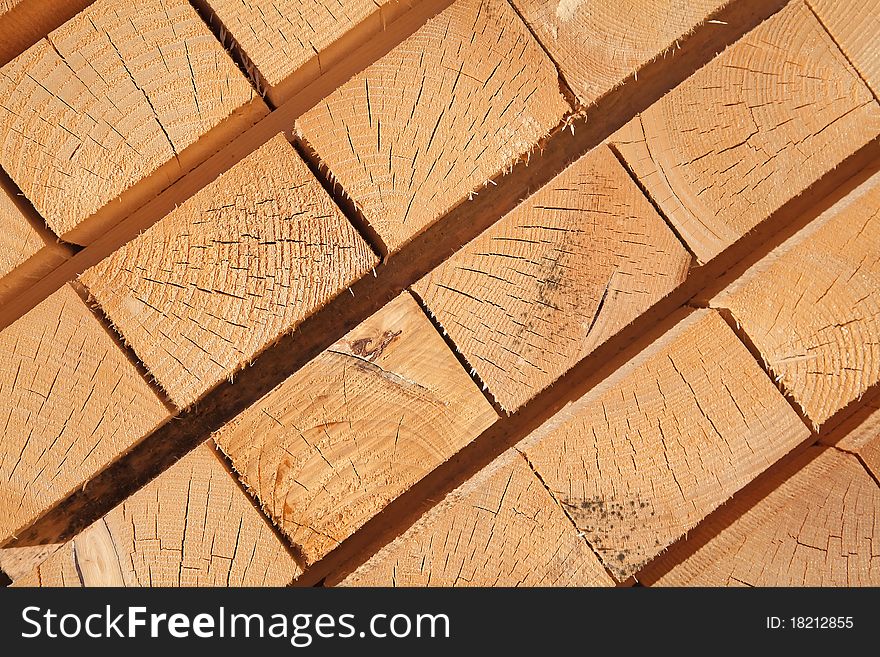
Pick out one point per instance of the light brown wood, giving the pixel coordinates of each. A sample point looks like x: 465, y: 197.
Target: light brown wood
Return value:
x: 855, y: 26
x: 812, y: 307
x: 19, y: 562
x: 28, y: 250
x: 598, y: 45
x: 647, y: 454
x: 289, y: 43
x: 239, y: 264
x: 500, y: 528
x: 819, y: 527
x: 24, y: 22
x: 751, y: 130
x: 555, y: 278
x: 192, y: 526
x: 447, y: 110
x: 859, y: 431
x: 70, y: 403
x: 279, y: 120
x: 336, y: 442
x: 870, y: 456
x: 861, y: 435
x: 118, y: 94
x: 18, y: 238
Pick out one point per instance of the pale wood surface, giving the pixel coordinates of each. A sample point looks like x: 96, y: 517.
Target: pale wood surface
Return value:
x: 751, y: 130
x: 192, y: 526
x: 435, y: 119
x: 280, y: 120
x: 357, y: 426
x: 245, y: 260
x: 23, y: 22
x: 20, y: 561
x: 556, y: 277
x: 290, y: 42
x: 500, y: 528
x: 280, y: 36
x: 18, y: 238
x: 70, y: 403
x: 28, y: 250
x: 645, y: 456
x: 855, y: 26
x: 114, y: 95
x: 870, y: 456
x: 867, y: 429
x: 812, y: 307
x: 819, y: 527
x: 635, y: 478
x: 862, y: 436
x: 598, y: 45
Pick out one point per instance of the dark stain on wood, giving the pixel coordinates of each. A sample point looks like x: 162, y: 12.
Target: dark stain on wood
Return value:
x: 363, y: 347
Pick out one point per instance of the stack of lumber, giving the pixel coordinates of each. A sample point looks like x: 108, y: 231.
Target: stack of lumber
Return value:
x: 440, y: 293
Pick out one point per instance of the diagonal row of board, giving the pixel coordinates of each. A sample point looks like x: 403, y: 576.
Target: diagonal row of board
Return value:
x: 658, y: 361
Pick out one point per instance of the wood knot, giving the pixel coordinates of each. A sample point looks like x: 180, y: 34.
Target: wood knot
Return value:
x: 371, y: 348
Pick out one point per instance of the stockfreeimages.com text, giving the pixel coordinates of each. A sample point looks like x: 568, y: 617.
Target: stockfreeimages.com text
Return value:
x: 299, y: 629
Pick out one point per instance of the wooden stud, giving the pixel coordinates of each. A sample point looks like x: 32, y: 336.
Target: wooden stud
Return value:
x: 812, y: 307
x: 18, y: 562
x: 682, y: 427
x: 599, y: 45
x: 242, y: 262
x: 500, y: 528
x: 555, y: 278
x: 8, y: 25
x: 447, y: 110
x: 870, y: 456
x: 646, y: 455
x: 818, y: 526
x: 19, y: 240
x: 855, y: 26
x: 70, y: 403
x: 24, y: 22
x: 750, y: 131
x: 859, y: 431
x: 357, y: 426
x: 112, y: 105
x: 861, y: 435
x: 289, y: 43
x: 192, y: 526
x: 281, y: 119
x: 28, y: 250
